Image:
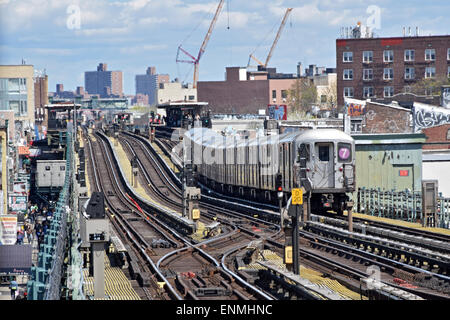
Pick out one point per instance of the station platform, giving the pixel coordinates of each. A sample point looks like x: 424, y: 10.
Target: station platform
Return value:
x: 401, y: 223
x: 165, y: 158
x: 117, y: 285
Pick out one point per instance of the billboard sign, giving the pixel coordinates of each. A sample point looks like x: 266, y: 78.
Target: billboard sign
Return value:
x: 18, y: 203
x: 8, y: 225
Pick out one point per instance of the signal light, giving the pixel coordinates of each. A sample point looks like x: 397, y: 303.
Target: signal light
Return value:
x: 279, y: 182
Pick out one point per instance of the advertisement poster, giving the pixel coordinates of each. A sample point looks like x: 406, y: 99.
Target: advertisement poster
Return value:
x: 8, y: 225
x: 18, y: 203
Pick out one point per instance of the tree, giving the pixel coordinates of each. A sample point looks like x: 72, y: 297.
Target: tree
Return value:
x: 302, y: 96
x: 431, y: 86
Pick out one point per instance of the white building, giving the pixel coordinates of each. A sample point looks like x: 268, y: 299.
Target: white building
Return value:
x: 175, y: 91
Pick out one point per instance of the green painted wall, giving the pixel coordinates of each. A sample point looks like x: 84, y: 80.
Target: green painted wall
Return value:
x: 389, y: 162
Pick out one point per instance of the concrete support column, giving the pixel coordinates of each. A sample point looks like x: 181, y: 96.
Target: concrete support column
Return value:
x: 98, y: 250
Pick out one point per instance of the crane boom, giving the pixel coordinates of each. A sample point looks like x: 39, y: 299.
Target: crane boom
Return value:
x: 205, y: 41
x: 274, y: 44
x: 283, y: 23
x: 194, y: 60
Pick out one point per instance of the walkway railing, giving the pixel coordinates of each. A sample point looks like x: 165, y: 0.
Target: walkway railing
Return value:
x: 400, y: 205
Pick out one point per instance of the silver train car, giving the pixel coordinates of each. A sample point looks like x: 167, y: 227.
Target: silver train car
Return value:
x: 248, y: 168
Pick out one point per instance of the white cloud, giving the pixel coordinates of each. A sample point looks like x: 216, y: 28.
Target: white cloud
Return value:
x: 142, y: 48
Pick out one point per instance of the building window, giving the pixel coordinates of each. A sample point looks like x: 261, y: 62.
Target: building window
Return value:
x: 348, y: 57
x: 409, y: 55
x: 428, y: 91
x: 284, y: 94
x: 388, y: 92
x: 448, y: 54
x: 274, y: 94
x: 367, y: 56
x: 448, y: 134
x: 323, y: 98
x: 410, y: 73
x: 368, y: 92
x: 388, y: 74
x: 430, y: 54
x: 13, y: 86
x: 388, y: 56
x: 448, y: 72
x: 367, y: 74
x: 191, y: 97
x: 430, y: 72
x: 15, y: 106
x: 407, y: 89
x: 348, y: 74
x: 356, y: 125
x: 348, y: 92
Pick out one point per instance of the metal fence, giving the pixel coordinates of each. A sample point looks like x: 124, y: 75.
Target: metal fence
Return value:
x: 400, y: 205
x: 45, y: 283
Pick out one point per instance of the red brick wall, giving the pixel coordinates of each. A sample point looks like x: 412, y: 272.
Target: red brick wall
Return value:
x: 234, y: 96
x: 384, y: 119
x: 437, y: 135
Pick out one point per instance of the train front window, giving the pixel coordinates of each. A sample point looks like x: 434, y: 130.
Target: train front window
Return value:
x: 344, y: 152
x: 303, y: 152
x: 324, y: 153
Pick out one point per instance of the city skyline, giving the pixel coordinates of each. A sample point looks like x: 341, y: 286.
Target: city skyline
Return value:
x: 132, y: 35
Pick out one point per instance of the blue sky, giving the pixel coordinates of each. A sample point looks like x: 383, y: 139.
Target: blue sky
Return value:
x: 130, y: 35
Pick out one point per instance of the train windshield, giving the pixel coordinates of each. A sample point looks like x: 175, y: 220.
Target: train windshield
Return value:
x: 344, y: 152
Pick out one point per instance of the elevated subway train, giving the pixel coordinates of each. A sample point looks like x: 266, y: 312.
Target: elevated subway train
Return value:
x: 248, y: 167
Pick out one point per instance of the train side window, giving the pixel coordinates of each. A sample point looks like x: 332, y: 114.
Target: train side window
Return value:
x: 62, y: 168
x: 47, y: 168
x: 344, y: 152
x: 324, y: 153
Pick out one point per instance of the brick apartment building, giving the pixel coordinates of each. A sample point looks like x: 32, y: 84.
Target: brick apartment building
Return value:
x: 384, y: 69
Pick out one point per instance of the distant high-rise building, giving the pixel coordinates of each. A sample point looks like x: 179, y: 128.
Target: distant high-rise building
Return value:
x: 40, y: 97
x: 96, y: 82
x: 59, y: 88
x: 80, y: 91
x: 147, y: 84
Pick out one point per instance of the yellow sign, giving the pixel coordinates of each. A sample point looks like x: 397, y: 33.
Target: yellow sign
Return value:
x: 195, y: 214
x: 288, y: 255
x: 297, y: 196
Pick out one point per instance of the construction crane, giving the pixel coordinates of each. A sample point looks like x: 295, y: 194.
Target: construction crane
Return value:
x: 195, y: 61
x: 274, y: 44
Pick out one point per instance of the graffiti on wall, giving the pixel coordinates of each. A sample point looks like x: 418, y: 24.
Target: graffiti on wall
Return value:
x: 355, y: 109
x: 277, y: 112
x: 426, y: 116
x: 445, y: 97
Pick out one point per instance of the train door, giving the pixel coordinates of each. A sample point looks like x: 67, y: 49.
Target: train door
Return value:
x: 324, y: 166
